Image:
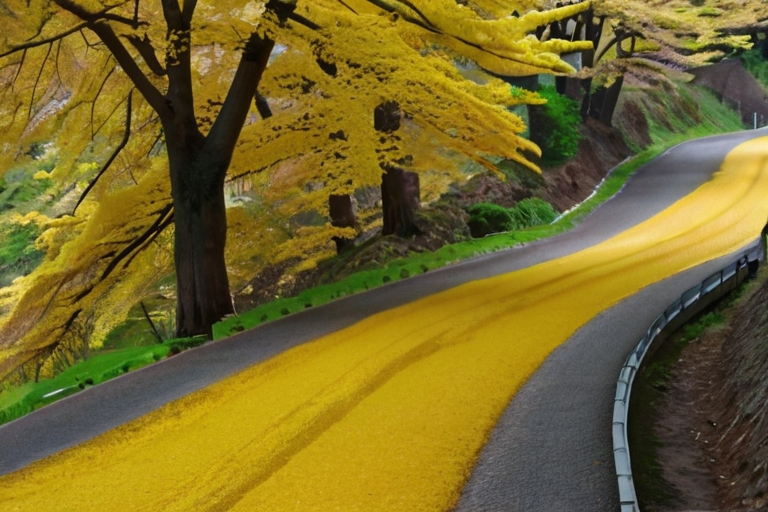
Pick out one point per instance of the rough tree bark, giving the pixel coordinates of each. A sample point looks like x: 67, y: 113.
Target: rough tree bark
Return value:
x: 198, y: 163
x: 342, y: 216
x: 198, y: 168
x: 400, y: 191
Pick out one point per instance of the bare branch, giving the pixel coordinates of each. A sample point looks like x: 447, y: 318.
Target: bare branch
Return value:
x: 37, y: 80
x: 163, y: 220
x: 132, y: 22
x: 56, y: 60
x: 151, y: 323
x: 98, y: 93
x: 348, y: 7
x: 106, y: 119
x: 18, y: 71
x: 298, y: 18
x: 43, y: 42
x: 126, y: 61
x: 154, y: 144
x: 153, y: 236
x: 112, y: 157
x: 147, y: 52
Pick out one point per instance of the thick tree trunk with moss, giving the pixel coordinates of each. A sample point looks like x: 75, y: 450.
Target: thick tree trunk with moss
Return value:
x: 400, y: 191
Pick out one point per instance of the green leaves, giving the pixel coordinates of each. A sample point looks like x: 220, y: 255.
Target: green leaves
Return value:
x: 488, y: 218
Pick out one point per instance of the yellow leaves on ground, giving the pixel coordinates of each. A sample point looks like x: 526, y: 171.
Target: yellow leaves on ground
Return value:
x: 390, y: 413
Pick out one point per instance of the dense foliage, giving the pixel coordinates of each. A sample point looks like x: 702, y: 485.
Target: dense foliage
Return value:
x: 489, y: 218
x: 557, y: 133
x: 757, y: 65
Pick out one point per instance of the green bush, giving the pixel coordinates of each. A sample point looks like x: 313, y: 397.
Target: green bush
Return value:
x: 18, y: 254
x: 488, y: 218
x: 555, y: 127
x: 533, y: 212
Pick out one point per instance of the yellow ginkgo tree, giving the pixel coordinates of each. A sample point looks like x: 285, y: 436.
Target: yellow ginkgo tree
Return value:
x: 179, y: 96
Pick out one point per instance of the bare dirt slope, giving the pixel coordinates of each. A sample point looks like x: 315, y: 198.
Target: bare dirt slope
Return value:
x: 713, y: 422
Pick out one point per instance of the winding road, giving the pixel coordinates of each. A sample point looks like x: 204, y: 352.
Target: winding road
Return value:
x: 487, y: 385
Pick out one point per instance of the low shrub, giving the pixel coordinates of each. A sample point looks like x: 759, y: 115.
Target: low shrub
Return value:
x: 555, y: 127
x: 488, y: 218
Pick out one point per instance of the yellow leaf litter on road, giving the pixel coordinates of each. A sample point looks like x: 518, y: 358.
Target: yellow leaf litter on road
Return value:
x: 388, y: 414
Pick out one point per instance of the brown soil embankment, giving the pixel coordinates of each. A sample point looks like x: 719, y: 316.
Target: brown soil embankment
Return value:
x: 712, y: 425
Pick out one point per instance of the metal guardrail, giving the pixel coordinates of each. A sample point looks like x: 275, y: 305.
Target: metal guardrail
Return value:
x: 737, y: 271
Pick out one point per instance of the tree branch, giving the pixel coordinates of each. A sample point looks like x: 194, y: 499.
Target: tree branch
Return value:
x: 263, y: 106
x: 151, y: 323
x: 147, y: 52
x: 386, y: 7
x: 112, y: 157
x: 37, y: 80
x: 225, y: 131
x: 43, y: 42
x: 163, y: 220
x: 18, y: 71
x: 348, y: 7
x: 152, y: 237
x: 172, y: 14
x: 98, y: 93
x: 187, y: 11
x: 139, y: 79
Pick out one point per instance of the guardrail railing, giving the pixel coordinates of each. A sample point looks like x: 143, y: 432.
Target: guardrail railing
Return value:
x: 677, y: 313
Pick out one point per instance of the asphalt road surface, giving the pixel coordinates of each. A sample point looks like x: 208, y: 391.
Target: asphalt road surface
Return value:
x: 551, y: 450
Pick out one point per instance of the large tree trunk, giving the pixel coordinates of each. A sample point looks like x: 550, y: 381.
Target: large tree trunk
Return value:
x: 198, y: 166
x: 603, y: 102
x: 202, y: 285
x: 342, y: 216
x: 400, y: 191
x: 400, y: 199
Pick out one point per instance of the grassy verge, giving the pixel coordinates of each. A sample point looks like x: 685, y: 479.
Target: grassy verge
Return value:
x: 18, y: 401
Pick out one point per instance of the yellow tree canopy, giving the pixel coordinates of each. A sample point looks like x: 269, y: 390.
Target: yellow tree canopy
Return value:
x: 686, y: 32
x: 335, y: 61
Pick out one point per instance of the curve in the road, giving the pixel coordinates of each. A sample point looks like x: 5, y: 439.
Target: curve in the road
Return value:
x: 391, y: 412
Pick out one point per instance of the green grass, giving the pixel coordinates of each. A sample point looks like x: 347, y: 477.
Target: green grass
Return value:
x: 18, y: 253
x: 20, y: 400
